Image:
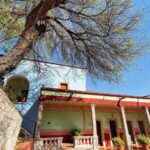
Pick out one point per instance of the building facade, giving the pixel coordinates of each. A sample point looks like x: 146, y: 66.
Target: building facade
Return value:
x: 65, y: 105
x: 96, y: 114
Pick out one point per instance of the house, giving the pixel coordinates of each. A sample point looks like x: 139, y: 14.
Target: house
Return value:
x: 24, y: 84
x: 100, y: 114
x: 64, y: 105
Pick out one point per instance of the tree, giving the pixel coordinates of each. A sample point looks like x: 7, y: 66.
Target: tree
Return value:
x: 91, y: 33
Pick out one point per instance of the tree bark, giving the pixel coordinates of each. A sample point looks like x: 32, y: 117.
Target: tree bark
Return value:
x: 28, y: 36
x: 9, y: 61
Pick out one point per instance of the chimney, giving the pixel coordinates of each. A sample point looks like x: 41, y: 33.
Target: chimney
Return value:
x: 64, y: 86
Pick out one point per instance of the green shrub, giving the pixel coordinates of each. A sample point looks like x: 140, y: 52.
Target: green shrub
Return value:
x: 142, y: 139
x: 75, y: 132
x: 117, y: 141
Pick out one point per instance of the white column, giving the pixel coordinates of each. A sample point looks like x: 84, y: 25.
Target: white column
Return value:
x: 40, y: 110
x: 147, y: 114
x: 95, y: 142
x: 127, y: 136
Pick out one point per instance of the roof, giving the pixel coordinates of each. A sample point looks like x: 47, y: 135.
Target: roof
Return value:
x: 94, y: 93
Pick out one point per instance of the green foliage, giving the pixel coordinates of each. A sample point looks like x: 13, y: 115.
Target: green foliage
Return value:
x: 143, y: 140
x: 75, y: 132
x: 117, y: 141
x: 10, y: 25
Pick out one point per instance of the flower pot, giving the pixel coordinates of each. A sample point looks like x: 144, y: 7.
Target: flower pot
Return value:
x: 145, y: 147
x: 119, y: 148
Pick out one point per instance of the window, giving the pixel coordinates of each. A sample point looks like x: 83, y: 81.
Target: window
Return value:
x: 141, y: 127
x: 63, y: 86
x: 99, y: 132
x: 113, y: 128
x: 17, y: 88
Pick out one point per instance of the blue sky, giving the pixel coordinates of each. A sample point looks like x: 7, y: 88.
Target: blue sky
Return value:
x: 136, y: 79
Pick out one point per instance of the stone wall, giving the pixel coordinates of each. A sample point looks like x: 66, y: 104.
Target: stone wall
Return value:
x: 10, y: 123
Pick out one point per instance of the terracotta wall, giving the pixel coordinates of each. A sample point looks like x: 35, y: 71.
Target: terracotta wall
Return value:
x: 25, y: 145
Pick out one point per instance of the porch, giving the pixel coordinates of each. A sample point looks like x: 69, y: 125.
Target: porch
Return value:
x: 103, y: 123
x: 100, y: 118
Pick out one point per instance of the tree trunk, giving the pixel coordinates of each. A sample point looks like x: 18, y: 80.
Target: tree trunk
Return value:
x: 10, y: 60
x: 10, y: 120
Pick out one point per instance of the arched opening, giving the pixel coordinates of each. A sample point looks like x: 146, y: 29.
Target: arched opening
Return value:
x: 17, y: 88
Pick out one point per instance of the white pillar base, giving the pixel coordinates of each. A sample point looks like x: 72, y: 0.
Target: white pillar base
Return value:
x: 95, y: 142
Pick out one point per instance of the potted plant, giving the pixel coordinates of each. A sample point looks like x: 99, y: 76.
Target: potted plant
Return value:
x: 144, y: 141
x: 118, y: 143
x: 75, y: 135
x: 76, y: 132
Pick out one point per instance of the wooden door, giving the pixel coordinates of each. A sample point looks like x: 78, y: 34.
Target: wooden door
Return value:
x: 99, y: 132
x: 130, y: 128
x: 113, y: 128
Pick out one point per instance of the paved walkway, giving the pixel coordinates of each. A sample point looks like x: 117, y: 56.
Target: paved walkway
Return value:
x: 69, y: 146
